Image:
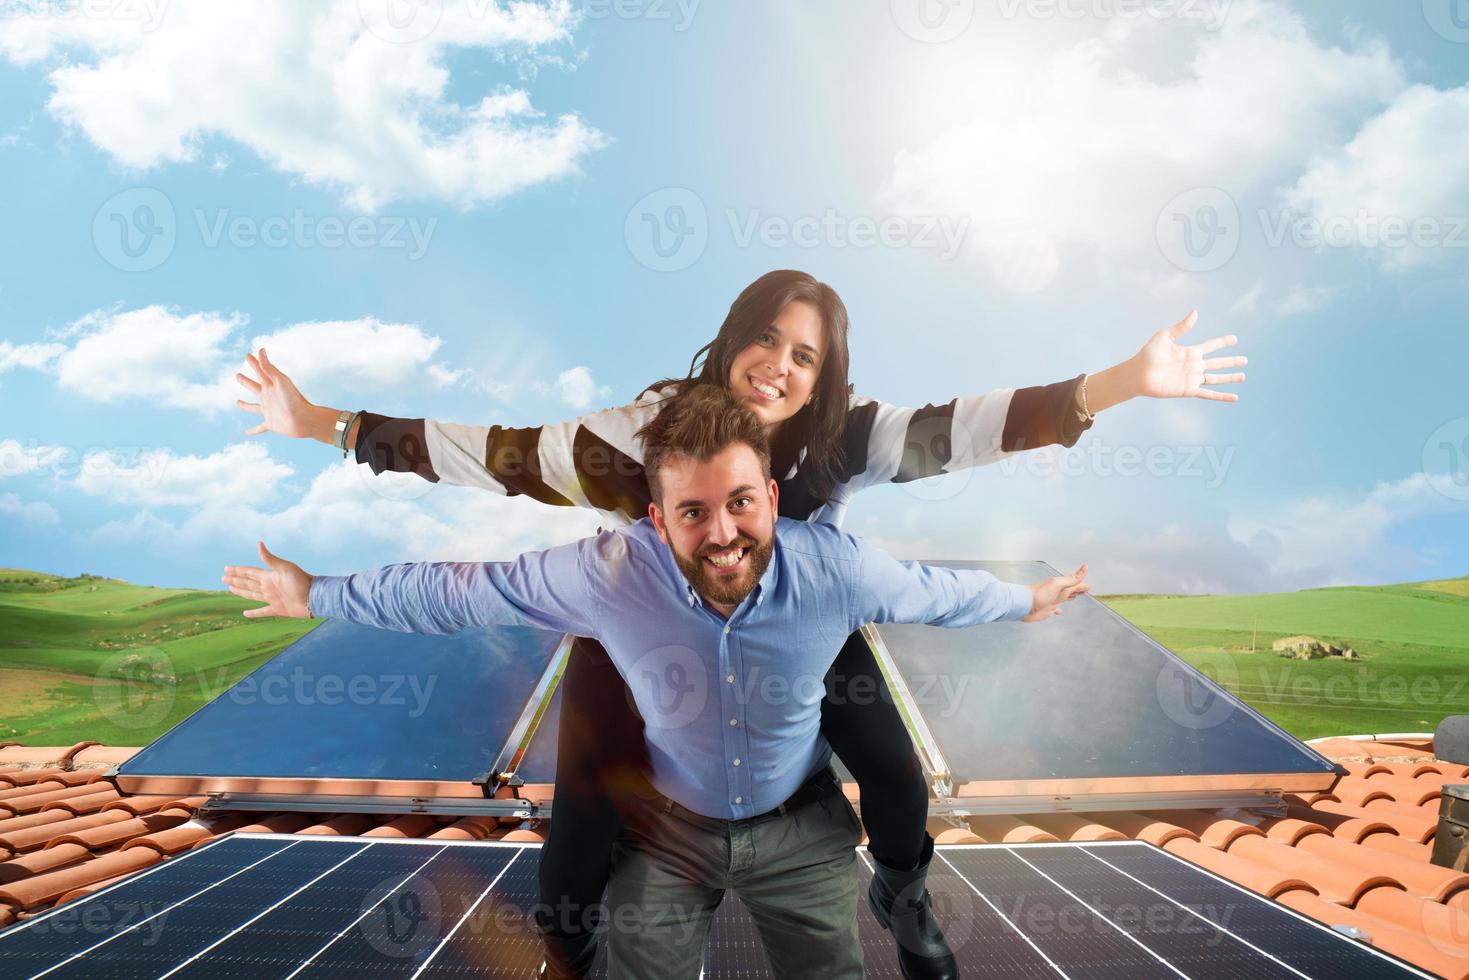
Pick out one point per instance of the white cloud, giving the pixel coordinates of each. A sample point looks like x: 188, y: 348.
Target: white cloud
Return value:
x: 1084, y: 148
x: 334, y: 93
x: 1301, y: 299
x: 35, y: 356
x: 1401, y: 186
x: 1191, y: 544
x: 1249, y: 301
x: 27, y: 512
x: 350, y: 519
x: 152, y: 354
x: 243, y: 473
x: 1314, y: 541
x: 353, y: 355
x: 188, y: 360
x: 576, y: 387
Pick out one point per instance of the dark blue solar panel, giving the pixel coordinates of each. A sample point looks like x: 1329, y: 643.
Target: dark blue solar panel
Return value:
x: 260, y: 907
x: 1079, y: 696
x: 355, y: 703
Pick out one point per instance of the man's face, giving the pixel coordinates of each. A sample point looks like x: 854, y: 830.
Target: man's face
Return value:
x: 719, y: 519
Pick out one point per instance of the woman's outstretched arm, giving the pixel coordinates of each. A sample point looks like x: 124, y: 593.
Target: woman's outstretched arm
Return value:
x: 591, y: 461
x: 888, y: 444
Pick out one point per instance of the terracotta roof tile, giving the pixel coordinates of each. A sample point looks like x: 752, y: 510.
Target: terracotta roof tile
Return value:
x: 82, y: 799
x: 1070, y: 827
x: 1412, y: 823
x: 341, y: 825
x: 45, y: 859
x: 1006, y: 829
x: 1331, y: 879
x: 112, y: 834
x: 957, y: 835
x: 30, y: 838
x: 1265, y: 879
x: 467, y: 828
x: 1439, y: 923
x: 1140, y: 826
x: 1417, y: 878
x: 44, y: 889
x: 1401, y: 846
x: 409, y: 825
x: 1209, y: 826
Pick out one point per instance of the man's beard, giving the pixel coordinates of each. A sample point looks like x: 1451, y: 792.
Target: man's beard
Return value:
x: 728, y: 591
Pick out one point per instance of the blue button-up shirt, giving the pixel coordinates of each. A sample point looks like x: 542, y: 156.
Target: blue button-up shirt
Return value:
x: 732, y: 707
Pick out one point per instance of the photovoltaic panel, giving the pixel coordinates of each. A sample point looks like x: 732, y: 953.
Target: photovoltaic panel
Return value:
x: 1068, y: 704
x: 348, y: 709
x: 275, y: 905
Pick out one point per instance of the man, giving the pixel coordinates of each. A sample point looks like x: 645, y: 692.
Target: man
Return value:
x: 723, y: 620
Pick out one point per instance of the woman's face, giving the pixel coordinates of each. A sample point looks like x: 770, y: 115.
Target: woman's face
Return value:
x: 776, y: 375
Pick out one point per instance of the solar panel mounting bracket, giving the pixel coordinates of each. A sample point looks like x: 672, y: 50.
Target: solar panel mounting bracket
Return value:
x: 1267, y: 801
x: 438, y: 806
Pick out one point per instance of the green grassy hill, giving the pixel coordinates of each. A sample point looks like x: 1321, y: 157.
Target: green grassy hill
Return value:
x: 1413, y: 640
x: 93, y: 658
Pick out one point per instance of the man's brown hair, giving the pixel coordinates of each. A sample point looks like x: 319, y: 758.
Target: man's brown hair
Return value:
x: 700, y: 422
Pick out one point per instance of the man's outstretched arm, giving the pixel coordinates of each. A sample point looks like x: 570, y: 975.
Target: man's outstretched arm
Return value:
x: 542, y: 589
x: 892, y: 591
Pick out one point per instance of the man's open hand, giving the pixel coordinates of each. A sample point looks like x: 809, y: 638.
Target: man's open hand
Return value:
x: 281, y: 585
x: 1053, y: 593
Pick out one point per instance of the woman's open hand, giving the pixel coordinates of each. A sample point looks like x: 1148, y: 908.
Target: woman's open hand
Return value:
x: 284, y: 410
x: 1166, y: 369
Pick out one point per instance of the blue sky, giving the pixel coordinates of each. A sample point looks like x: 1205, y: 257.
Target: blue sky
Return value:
x: 1035, y: 164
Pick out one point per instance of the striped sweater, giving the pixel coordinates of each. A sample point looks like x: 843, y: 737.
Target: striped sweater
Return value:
x: 596, y: 460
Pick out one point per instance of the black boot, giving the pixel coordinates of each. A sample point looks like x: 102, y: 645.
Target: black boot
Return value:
x: 568, y: 956
x: 900, y: 900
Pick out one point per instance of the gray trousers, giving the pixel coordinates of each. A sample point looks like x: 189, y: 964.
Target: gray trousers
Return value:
x: 796, y: 873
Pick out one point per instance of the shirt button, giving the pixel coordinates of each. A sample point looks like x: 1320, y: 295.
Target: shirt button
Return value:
x: 732, y: 723
x: 726, y: 629
x: 737, y: 762
x: 729, y: 678
x: 739, y: 799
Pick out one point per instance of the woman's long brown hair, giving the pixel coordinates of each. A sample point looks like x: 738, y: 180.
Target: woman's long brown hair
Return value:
x: 817, y: 426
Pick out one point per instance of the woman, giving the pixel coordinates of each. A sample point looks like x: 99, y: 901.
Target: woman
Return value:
x: 782, y: 351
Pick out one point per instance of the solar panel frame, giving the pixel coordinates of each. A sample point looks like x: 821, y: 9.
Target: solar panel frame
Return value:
x: 955, y: 793
x: 147, y: 773
x: 989, y: 930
